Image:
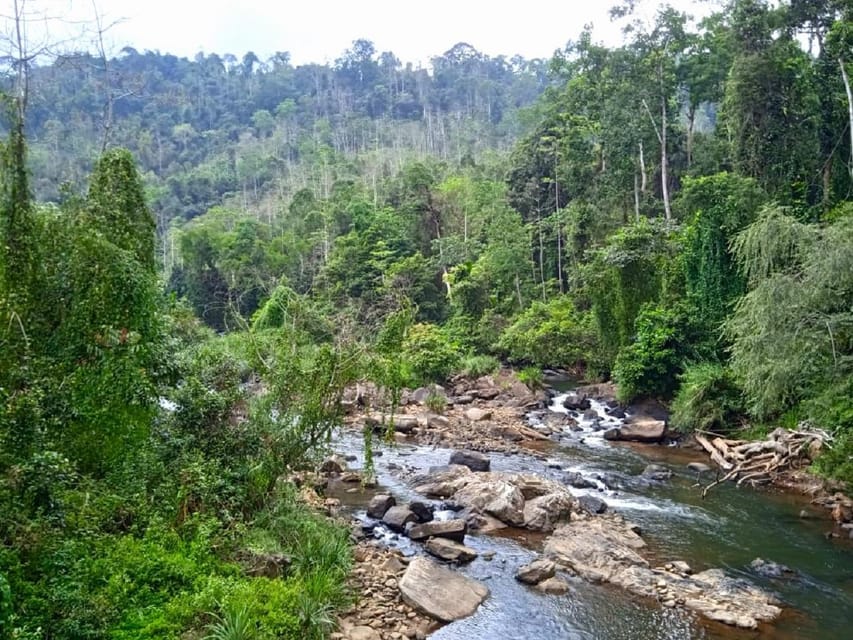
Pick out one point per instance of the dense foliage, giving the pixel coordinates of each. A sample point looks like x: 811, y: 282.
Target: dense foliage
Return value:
x: 673, y: 213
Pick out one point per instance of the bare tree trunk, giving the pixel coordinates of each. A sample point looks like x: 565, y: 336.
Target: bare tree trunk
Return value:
x: 664, y: 164
x: 541, y: 252
x: 518, y: 292
x: 847, y: 88
x: 661, y: 135
x: 691, y: 123
x: 558, y: 226
x: 636, y: 197
x: 643, y: 174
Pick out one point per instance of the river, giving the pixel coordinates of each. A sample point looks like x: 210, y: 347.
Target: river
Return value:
x: 728, y: 529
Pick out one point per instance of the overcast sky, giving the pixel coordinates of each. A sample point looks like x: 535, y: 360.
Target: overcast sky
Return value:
x: 320, y: 30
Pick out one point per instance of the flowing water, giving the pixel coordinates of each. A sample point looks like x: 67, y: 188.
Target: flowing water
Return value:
x: 728, y: 529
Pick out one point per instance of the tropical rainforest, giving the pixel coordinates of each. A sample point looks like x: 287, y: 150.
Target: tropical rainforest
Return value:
x: 198, y: 256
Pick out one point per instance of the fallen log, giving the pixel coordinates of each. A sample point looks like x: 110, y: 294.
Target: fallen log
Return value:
x: 760, y: 462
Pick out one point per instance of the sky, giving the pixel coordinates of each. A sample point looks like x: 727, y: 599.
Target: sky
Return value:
x: 321, y: 30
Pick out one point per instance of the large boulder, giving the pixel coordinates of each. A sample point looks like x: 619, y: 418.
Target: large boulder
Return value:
x: 396, y: 518
x: 546, y: 512
x: 536, y: 571
x: 592, y: 504
x: 450, y: 550
x: 443, y: 482
x: 498, y: 498
x: 439, y: 592
x: 423, y: 510
x: 640, y: 430
x: 474, y: 460
x: 598, y: 549
x: 553, y: 586
x: 606, y: 549
x: 575, y: 401
x: 379, y: 504
x: 451, y: 529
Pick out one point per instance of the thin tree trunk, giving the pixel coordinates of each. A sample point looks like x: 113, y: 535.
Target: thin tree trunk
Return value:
x: 849, y: 110
x: 636, y: 197
x: 541, y: 253
x: 558, y: 225
x: 691, y: 123
x: 643, y: 175
x: 664, y: 172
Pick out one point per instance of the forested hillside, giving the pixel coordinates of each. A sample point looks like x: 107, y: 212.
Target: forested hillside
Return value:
x: 254, y: 132
x: 180, y: 317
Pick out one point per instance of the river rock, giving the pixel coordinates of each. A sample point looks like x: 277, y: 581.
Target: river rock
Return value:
x: 604, y: 549
x: 576, y: 402
x: 451, y: 529
x: 474, y: 460
x: 591, y: 504
x: 443, y: 482
x: 333, y: 464
x: 536, y: 571
x: 698, y: 467
x: 420, y: 395
x: 483, y: 522
x: 404, y: 424
x: 616, y: 412
x: 495, y: 497
x: 770, y: 569
x: 379, y: 504
x: 553, y: 586
x: 575, y: 479
x: 656, y: 472
x: 475, y: 414
x: 546, y: 512
x: 396, y: 518
x: 450, y: 550
x: 640, y: 430
x: 362, y: 632
x: 489, y: 393
x: 423, y: 510
x: 439, y: 592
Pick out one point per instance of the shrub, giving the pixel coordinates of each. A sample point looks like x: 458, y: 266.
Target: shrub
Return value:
x: 651, y: 364
x: 532, y: 377
x: 435, y: 401
x: 476, y: 365
x: 555, y: 334
x: 428, y: 354
x: 708, y: 399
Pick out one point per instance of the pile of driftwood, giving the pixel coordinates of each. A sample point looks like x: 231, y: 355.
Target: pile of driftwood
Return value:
x: 759, y: 462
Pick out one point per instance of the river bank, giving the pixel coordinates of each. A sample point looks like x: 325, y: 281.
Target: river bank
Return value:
x: 507, y: 437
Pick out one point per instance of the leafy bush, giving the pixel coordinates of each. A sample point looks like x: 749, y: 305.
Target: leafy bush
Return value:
x: 555, y: 334
x: 532, y: 377
x: 428, y: 354
x: 435, y: 401
x: 651, y: 364
x: 708, y: 399
x: 833, y: 411
x: 476, y: 365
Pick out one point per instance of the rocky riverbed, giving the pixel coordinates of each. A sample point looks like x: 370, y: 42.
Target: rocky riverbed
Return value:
x: 450, y: 500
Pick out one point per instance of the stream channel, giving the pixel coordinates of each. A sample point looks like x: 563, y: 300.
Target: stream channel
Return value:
x: 728, y: 529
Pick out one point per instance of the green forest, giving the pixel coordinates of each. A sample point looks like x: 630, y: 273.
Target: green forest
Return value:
x: 199, y: 256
